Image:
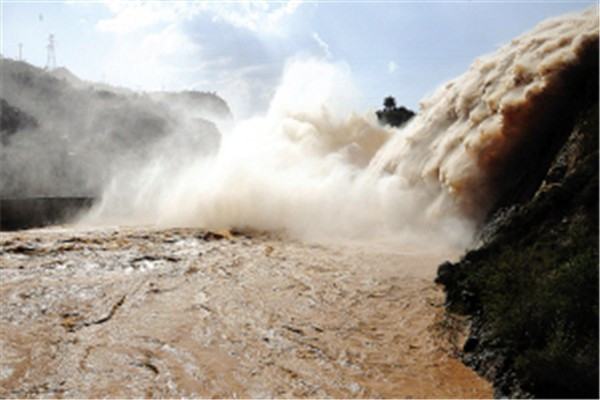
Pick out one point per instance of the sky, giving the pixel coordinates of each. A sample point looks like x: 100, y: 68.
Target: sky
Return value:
x: 239, y: 49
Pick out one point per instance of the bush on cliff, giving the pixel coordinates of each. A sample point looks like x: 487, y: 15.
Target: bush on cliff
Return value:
x: 541, y: 301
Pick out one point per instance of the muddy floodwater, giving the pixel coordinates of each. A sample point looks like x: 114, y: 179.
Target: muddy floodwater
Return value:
x: 182, y: 312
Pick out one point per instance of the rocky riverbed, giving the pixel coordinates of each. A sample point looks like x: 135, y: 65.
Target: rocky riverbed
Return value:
x: 139, y: 312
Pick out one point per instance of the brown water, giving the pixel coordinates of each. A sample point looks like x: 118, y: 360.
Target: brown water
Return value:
x: 172, y: 313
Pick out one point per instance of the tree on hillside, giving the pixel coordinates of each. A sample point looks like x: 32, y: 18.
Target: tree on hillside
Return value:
x: 393, y: 115
x: 389, y: 103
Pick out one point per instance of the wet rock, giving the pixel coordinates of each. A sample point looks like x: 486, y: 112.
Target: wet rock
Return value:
x: 209, y: 236
x: 470, y: 344
x: 22, y: 249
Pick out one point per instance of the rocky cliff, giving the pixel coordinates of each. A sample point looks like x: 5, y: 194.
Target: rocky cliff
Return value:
x: 530, y: 287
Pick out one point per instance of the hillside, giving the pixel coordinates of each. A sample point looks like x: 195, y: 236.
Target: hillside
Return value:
x: 80, y: 134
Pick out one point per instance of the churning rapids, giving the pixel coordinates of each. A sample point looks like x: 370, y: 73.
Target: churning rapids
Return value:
x: 136, y: 312
x: 337, y: 298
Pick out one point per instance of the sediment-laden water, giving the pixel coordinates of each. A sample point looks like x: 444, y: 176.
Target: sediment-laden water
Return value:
x: 136, y: 312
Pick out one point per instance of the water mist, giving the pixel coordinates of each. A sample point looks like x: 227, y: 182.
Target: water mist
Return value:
x: 313, y: 168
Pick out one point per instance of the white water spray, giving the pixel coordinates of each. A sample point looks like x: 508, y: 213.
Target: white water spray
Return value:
x: 309, y: 169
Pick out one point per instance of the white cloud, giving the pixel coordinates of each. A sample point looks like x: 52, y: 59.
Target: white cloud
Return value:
x: 231, y: 47
x: 168, y: 42
x: 131, y: 16
x: 151, y: 60
x: 256, y: 16
x: 392, y: 67
x: 322, y: 44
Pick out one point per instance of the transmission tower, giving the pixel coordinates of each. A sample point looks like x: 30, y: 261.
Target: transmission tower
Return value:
x: 51, y: 63
x: 20, y: 52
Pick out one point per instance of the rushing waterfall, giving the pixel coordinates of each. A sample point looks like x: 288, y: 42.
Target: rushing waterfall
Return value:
x: 311, y: 166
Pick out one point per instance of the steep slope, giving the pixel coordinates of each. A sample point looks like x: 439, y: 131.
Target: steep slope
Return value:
x: 531, y: 286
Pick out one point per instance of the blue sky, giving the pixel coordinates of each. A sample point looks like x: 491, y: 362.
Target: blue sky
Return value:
x: 239, y: 48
